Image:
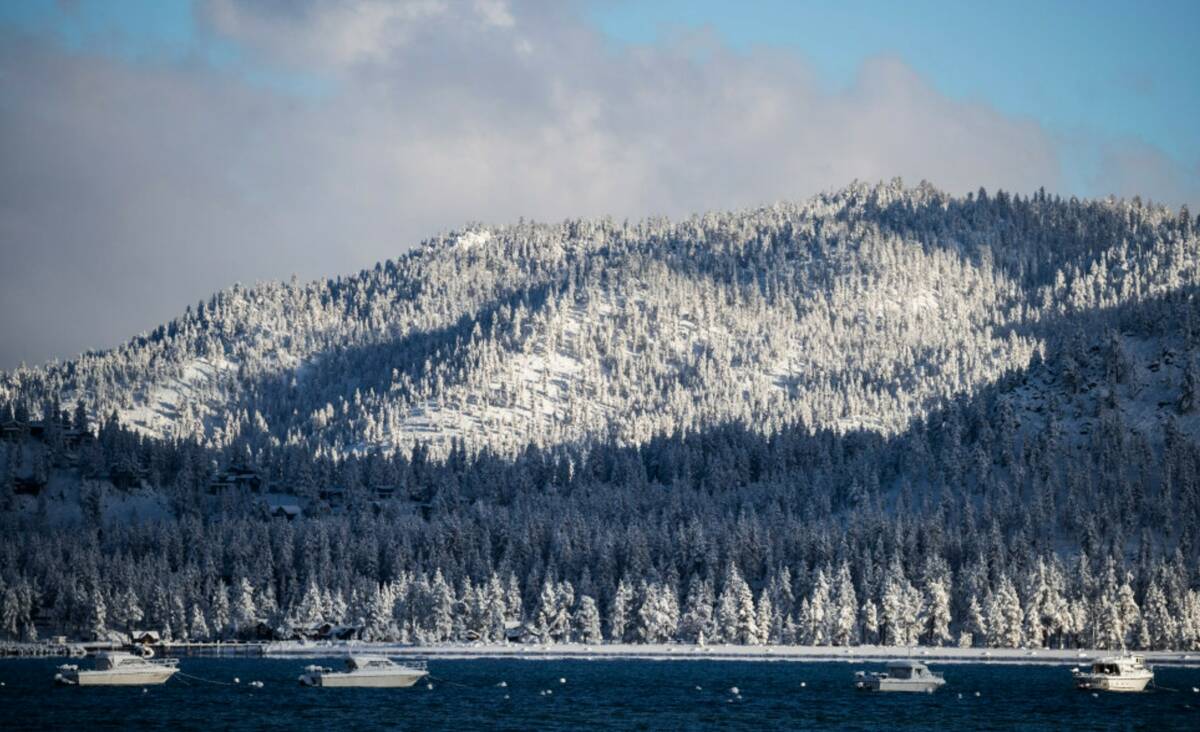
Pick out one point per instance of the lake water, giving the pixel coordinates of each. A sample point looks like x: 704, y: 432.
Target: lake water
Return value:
x: 601, y: 694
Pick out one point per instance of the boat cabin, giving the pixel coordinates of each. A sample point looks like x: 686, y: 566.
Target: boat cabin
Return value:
x: 1117, y: 666
x: 117, y: 660
x: 903, y: 670
x: 364, y: 663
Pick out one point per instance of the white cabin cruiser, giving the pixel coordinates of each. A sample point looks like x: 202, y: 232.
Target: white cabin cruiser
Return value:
x: 1115, y: 673
x: 117, y: 668
x: 901, y: 676
x: 368, y: 671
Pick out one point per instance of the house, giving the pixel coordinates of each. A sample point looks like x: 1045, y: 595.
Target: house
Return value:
x: 74, y: 438
x: 235, y: 478
x: 329, y: 631
x: 518, y: 632
x: 12, y: 430
x: 333, y: 495
x: 145, y: 637
x: 28, y: 486
x: 247, y: 478
x: 289, y: 511
x: 219, y: 487
x: 127, y: 476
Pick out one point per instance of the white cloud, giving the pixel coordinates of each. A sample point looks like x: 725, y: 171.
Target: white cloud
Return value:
x: 130, y: 190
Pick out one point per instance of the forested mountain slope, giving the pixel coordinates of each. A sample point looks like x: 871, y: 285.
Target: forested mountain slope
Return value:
x: 863, y: 308
x: 884, y: 414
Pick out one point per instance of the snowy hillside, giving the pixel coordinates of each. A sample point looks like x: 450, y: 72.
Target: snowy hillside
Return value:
x: 864, y: 308
x: 882, y: 415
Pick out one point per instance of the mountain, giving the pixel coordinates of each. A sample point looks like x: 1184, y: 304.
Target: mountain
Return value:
x: 864, y: 308
x: 883, y: 414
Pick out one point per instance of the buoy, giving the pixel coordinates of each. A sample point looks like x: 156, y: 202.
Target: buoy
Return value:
x: 236, y: 680
x: 562, y: 680
x: 734, y: 690
x: 256, y: 684
x: 803, y: 684
x: 699, y: 689
x: 1195, y: 690
x: 960, y: 695
x: 144, y: 691
x: 1095, y: 695
x: 503, y: 684
x: 506, y: 696
x: 429, y: 686
x: 549, y: 691
x: 977, y: 693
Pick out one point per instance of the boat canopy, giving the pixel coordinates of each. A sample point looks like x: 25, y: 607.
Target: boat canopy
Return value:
x: 113, y: 660
x: 355, y: 663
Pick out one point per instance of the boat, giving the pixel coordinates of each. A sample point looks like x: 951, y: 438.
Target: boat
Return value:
x: 901, y: 676
x: 1115, y: 673
x: 368, y: 671
x: 118, y: 668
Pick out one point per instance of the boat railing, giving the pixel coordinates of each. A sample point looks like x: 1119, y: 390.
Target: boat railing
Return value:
x: 413, y: 665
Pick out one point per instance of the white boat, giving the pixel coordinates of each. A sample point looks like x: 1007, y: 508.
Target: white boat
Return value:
x: 117, y: 668
x: 901, y: 676
x: 1115, y: 673
x: 368, y: 671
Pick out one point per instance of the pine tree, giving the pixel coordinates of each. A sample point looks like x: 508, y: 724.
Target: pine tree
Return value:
x: 220, y: 612
x: 198, y: 626
x: 243, y: 613
x: 870, y: 622
x: 658, y: 616
x: 586, y: 622
x: 697, y: 619
x: 619, y: 614
x: 845, y: 609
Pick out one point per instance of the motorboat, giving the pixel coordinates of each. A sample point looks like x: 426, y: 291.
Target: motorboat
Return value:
x: 1115, y: 673
x: 118, y: 668
x: 368, y: 671
x: 902, y: 675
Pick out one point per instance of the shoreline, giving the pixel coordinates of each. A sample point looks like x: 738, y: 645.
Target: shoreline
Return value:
x: 718, y: 652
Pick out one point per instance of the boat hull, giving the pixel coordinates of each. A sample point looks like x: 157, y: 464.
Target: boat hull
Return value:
x: 1102, y: 682
x: 924, y: 686
x: 369, y: 681
x: 151, y: 677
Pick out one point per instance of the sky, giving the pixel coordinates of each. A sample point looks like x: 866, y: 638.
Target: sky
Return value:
x: 156, y: 151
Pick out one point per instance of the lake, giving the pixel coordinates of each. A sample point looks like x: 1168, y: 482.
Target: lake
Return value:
x: 601, y: 694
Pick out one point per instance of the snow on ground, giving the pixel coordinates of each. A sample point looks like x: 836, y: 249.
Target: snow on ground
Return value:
x: 158, y: 414
x: 63, y: 502
x: 687, y: 652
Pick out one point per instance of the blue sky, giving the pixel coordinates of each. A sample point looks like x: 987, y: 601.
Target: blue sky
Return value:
x: 1099, y: 68
x: 156, y: 151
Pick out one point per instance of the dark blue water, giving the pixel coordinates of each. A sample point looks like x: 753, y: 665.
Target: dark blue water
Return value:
x: 608, y: 694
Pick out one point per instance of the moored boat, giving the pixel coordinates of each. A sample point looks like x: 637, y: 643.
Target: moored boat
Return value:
x: 901, y: 675
x: 1115, y: 673
x: 366, y: 671
x: 117, y: 668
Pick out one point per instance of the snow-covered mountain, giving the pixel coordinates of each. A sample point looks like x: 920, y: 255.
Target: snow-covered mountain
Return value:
x: 864, y: 308
x: 882, y: 415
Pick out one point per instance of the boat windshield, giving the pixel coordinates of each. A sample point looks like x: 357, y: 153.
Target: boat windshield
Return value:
x: 354, y: 664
